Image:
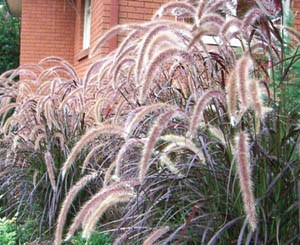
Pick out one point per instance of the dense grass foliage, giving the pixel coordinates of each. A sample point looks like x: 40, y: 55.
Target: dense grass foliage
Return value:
x: 167, y: 139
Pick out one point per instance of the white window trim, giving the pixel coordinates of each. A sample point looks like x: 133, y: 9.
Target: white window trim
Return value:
x: 86, y: 25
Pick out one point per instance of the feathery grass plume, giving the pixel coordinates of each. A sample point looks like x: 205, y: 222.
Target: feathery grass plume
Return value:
x: 108, y: 202
x: 168, y: 7
x: 141, y: 53
x: 9, y: 123
x: 244, y: 173
x: 200, y: 106
x: 89, y: 156
x: 63, y: 65
x: 200, y: 33
x: 38, y: 141
x: 51, y: 120
x: 229, y: 24
x: 214, y: 6
x: 213, y: 19
x: 49, y: 164
x: 218, y: 134
x: 163, y: 41
x: 256, y: 99
x: 67, y: 203
x: 249, y: 19
x: 154, y: 133
x: 159, y: 43
x: 181, y: 141
x: 53, y: 87
x: 166, y: 161
x: 97, y: 110
x: 127, y: 52
x: 243, y: 67
x: 137, y: 115
x: 231, y: 97
x: 40, y: 107
x: 70, y: 96
x: 4, y: 109
x: 156, y: 62
x: 127, y: 43
x: 35, y: 130
x: 111, y: 33
x: 155, y: 235
x: 91, y: 71
x: 118, y: 68
x: 200, y: 11
x: 89, y: 207
x: 108, y: 174
x: 85, y: 140
x: 129, y: 143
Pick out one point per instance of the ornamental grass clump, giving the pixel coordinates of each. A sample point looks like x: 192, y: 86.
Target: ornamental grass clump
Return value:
x: 167, y: 138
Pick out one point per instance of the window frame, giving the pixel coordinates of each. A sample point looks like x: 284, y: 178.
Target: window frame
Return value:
x: 86, y: 35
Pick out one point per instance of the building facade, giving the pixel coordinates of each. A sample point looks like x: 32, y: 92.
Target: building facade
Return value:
x: 69, y: 28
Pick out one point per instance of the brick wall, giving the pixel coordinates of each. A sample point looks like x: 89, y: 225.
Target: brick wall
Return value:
x: 47, y: 29
x: 54, y: 27
x: 103, y: 18
x: 296, y: 10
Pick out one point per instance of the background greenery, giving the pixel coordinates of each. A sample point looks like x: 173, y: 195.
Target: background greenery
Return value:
x: 9, y: 40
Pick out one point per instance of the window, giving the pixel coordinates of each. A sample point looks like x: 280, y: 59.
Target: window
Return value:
x: 86, y: 24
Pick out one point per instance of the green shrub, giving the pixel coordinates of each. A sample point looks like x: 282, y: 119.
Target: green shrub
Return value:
x: 97, y: 238
x: 8, y: 231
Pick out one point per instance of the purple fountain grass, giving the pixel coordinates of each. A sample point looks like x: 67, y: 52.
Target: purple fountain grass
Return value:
x: 38, y: 141
x: 123, y: 62
x: 200, y: 106
x: 155, y: 63
x: 182, y: 142
x: 4, y: 109
x: 89, y: 156
x: 111, y: 200
x: 200, y: 10
x: 112, y: 32
x: 145, y: 42
x: 231, y: 97
x: 244, y: 173
x: 216, y: 20
x: 61, y: 220
x: 214, y: 6
x: 125, y: 147
x: 88, y: 208
x: 155, y: 235
x: 168, y: 7
x: 49, y: 165
x: 99, y: 106
x: 229, y: 25
x: 255, y: 97
x: 243, y: 67
x: 85, y: 140
x: 108, y: 176
x: 137, y: 115
x: 249, y: 19
x: 153, y: 136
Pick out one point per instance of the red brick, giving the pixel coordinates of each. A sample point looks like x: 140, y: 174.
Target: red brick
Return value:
x: 55, y: 28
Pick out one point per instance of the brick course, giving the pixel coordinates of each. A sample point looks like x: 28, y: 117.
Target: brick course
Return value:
x: 47, y: 29
x: 55, y: 27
